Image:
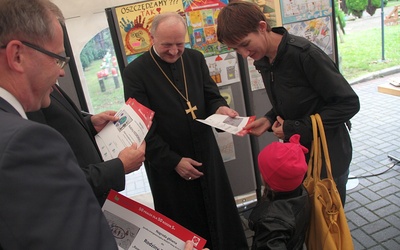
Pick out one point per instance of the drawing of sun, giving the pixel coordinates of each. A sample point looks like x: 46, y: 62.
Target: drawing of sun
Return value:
x: 137, y: 40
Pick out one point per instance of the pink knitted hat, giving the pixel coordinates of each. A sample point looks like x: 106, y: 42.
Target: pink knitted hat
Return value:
x: 283, y: 165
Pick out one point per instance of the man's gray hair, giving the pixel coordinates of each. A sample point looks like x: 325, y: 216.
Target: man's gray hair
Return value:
x: 164, y: 16
x: 28, y: 20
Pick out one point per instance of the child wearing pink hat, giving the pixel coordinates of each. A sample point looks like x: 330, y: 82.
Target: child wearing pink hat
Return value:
x: 281, y: 218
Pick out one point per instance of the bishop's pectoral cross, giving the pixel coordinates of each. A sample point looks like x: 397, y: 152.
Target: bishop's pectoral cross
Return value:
x: 191, y: 109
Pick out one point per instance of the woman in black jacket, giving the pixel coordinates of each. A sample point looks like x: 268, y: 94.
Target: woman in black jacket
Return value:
x: 300, y: 80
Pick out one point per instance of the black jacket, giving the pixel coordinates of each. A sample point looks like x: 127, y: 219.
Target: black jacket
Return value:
x: 66, y: 118
x: 302, y: 81
x: 281, y: 223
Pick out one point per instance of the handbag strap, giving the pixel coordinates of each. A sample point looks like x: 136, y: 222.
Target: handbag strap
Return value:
x: 319, y: 150
x: 312, y: 162
x: 322, y: 137
x: 317, y: 155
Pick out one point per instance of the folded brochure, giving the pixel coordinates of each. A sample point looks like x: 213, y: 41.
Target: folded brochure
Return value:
x: 136, y: 226
x: 134, y: 122
x: 232, y: 125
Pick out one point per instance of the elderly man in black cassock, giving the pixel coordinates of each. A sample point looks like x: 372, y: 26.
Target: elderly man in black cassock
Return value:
x: 184, y: 166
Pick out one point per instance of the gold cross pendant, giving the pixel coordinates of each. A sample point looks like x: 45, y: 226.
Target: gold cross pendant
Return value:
x: 191, y: 109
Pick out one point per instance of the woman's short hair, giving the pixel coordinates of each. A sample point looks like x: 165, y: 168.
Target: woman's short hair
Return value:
x: 237, y: 20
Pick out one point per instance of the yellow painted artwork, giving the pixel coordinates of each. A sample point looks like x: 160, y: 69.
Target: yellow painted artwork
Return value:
x: 135, y: 22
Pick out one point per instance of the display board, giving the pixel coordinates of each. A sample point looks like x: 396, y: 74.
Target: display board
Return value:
x: 314, y: 20
x: 238, y: 80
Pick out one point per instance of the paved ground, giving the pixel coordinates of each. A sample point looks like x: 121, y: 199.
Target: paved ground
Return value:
x: 373, y: 207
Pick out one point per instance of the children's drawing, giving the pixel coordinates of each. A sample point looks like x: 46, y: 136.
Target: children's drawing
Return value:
x: 300, y: 10
x: 318, y: 31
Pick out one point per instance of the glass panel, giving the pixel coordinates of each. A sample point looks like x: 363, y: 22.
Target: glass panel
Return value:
x: 102, y: 73
x: 105, y: 89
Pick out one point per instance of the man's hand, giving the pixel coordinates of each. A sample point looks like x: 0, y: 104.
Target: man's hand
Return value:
x: 133, y: 157
x: 186, y: 169
x: 100, y: 120
x: 224, y: 110
x: 189, y: 245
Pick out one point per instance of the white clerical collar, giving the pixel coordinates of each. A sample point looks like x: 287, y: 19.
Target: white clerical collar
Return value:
x: 154, y: 48
x: 12, y: 101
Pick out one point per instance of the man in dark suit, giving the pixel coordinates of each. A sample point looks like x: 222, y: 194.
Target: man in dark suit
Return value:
x: 46, y: 203
x: 66, y: 118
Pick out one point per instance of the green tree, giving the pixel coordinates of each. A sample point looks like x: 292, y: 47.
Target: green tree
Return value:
x: 373, y: 5
x: 356, y: 7
x: 85, y: 61
x: 96, y: 48
x: 88, y: 54
x: 340, y: 15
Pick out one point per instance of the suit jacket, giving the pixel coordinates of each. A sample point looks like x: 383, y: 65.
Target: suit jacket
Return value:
x: 46, y: 203
x: 66, y: 118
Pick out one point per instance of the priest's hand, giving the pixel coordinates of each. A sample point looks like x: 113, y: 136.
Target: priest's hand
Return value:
x: 224, y: 110
x: 186, y: 169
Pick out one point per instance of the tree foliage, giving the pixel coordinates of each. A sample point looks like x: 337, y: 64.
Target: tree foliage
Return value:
x: 96, y: 48
x: 356, y: 7
x: 340, y: 15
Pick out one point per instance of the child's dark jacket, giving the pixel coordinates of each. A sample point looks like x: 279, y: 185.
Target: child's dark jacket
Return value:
x: 281, y: 223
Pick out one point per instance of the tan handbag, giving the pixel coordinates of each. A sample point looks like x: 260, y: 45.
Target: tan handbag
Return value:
x: 328, y: 225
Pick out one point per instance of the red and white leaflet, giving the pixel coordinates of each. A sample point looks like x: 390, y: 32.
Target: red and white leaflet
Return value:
x: 231, y: 125
x: 136, y: 226
x: 134, y: 122
x: 142, y: 111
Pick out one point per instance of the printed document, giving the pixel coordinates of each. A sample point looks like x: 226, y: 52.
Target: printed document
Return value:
x: 134, y: 122
x: 231, y: 125
x: 136, y: 226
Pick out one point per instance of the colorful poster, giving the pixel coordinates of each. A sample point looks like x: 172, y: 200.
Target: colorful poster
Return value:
x: 224, y: 68
x: 135, y: 22
x: 202, y: 29
x: 226, y: 145
x: 318, y: 31
x: 190, y: 5
x: 271, y: 10
x: 226, y: 93
x: 256, y: 81
x: 300, y: 10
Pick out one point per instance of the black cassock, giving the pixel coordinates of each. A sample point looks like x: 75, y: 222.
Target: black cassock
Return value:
x: 206, y: 205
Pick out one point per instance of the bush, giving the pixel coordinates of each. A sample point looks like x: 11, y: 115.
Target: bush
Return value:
x: 340, y: 16
x: 85, y: 61
x: 357, y: 7
x: 377, y: 3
